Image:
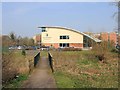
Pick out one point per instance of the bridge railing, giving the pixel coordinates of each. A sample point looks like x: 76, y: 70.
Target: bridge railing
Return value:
x: 50, y: 58
x: 36, y: 59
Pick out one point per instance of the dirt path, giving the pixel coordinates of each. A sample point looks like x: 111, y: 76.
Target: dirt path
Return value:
x: 41, y: 77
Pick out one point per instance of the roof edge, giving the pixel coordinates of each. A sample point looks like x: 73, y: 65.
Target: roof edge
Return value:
x: 95, y: 39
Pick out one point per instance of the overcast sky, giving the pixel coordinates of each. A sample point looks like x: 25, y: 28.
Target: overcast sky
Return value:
x: 24, y: 18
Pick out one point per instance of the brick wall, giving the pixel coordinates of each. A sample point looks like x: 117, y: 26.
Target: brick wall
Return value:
x: 104, y: 36
x: 56, y: 45
x: 77, y: 45
x: 38, y: 38
x: 113, y: 37
x: 109, y: 36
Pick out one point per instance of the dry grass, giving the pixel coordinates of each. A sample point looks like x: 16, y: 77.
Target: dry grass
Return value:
x: 88, y: 70
x: 14, y: 64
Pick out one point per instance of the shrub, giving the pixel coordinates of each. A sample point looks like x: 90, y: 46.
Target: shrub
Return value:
x: 23, y: 52
x: 101, y: 50
x: 13, y: 64
x: 9, y: 70
x: 115, y: 50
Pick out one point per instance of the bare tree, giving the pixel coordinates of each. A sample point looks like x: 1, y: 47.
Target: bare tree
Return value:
x: 31, y: 42
x: 18, y: 40
x: 13, y: 38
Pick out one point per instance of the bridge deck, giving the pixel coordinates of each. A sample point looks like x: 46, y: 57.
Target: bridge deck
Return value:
x: 41, y: 77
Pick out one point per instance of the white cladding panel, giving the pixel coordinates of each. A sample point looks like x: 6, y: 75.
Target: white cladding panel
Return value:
x: 52, y: 35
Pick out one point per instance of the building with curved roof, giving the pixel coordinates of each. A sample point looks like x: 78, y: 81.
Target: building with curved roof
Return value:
x: 64, y: 37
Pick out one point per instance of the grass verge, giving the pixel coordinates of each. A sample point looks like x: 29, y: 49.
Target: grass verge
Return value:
x: 16, y: 83
x: 66, y: 80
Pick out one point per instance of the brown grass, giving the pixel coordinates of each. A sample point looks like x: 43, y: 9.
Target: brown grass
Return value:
x: 84, y: 64
x: 14, y: 63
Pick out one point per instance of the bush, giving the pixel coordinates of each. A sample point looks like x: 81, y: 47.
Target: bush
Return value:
x: 13, y: 64
x: 9, y: 70
x: 23, y: 52
x: 100, y: 57
x: 115, y: 50
x: 101, y: 50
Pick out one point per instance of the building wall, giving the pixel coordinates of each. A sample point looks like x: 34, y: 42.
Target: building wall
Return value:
x: 56, y: 45
x: 37, y: 38
x: 34, y: 38
x: 104, y: 36
x: 78, y: 45
x: 113, y: 37
x: 52, y: 37
x: 119, y: 40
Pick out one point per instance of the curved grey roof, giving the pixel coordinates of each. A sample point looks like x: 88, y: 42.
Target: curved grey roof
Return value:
x: 93, y: 38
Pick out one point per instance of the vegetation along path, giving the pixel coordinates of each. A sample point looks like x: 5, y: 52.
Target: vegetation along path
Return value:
x: 41, y: 77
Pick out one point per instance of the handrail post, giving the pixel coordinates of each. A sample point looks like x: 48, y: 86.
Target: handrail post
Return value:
x: 50, y: 61
x: 36, y: 59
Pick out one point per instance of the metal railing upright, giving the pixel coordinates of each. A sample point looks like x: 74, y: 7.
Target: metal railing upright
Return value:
x: 36, y: 59
x: 50, y: 58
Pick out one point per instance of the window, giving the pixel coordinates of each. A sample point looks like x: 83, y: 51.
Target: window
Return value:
x: 67, y: 37
x: 67, y: 44
x: 64, y: 44
x: 60, y: 44
x: 60, y: 37
x: 43, y: 29
x: 64, y: 37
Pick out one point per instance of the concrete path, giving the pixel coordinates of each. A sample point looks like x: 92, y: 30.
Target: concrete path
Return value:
x: 41, y: 77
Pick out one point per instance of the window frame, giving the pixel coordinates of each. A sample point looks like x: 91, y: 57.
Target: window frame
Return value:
x: 63, y: 45
x: 64, y: 37
x: 44, y: 29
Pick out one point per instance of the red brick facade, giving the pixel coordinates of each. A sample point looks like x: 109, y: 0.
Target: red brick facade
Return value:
x: 56, y: 45
x: 38, y: 38
x: 77, y: 45
x: 104, y: 36
x: 113, y: 37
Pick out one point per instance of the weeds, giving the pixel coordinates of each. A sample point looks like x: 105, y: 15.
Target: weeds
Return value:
x: 23, y: 52
x: 82, y: 69
x: 16, y: 83
x: 13, y: 64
